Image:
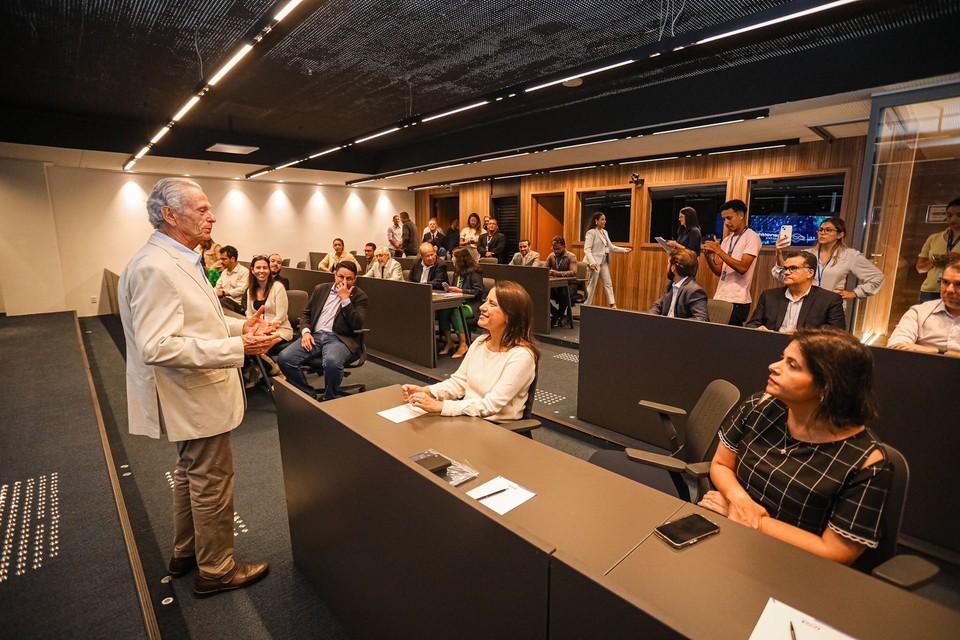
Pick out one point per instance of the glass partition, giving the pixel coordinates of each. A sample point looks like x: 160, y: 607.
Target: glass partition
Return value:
x: 615, y: 205
x: 913, y: 175
x: 801, y: 202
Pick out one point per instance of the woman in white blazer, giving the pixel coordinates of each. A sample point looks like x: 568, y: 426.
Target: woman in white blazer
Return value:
x: 596, y: 249
x: 264, y: 291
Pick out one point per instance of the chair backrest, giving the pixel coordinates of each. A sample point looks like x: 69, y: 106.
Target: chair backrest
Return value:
x: 892, y: 515
x: 488, y: 261
x: 488, y: 285
x: 286, y: 262
x: 715, y: 404
x: 719, y: 311
x: 302, y: 264
x: 406, y: 275
x: 531, y: 392
x: 581, y: 270
x: 296, y: 303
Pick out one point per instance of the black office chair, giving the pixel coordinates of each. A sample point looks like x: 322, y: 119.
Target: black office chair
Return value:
x: 315, y: 366
x: 296, y: 303
x: 719, y: 311
x: 690, y: 459
x: 488, y: 260
x: 285, y: 262
x: 905, y: 571
x: 527, y: 423
x: 302, y: 264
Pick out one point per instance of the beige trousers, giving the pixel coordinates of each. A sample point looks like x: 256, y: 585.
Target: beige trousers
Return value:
x: 203, y: 504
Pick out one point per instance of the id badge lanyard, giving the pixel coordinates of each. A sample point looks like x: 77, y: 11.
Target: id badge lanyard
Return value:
x: 822, y: 267
x: 733, y: 245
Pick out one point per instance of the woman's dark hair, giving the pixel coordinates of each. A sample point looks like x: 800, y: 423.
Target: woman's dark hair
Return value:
x: 593, y: 220
x: 842, y: 368
x: 690, y: 218
x: 465, y: 262
x: 470, y: 220
x: 254, y: 284
x: 517, y: 306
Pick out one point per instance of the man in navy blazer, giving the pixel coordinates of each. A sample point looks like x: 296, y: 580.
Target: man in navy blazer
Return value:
x: 683, y: 297
x: 800, y: 304
x: 328, y: 329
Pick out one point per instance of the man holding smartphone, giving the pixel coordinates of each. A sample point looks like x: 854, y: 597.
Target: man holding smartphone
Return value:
x: 734, y: 260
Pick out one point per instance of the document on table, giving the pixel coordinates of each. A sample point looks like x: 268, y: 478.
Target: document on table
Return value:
x: 402, y: 413
x: 501, y: 495
x: 783, y: 621
x: 453, y: 294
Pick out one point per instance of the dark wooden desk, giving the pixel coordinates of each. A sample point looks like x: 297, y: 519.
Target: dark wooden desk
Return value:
x: 718, y: 588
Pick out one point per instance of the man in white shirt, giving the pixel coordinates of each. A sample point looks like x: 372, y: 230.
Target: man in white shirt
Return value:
x: 933, y: 326
x: 395, y: 237
x: 526, y: 257
x: 734, y: 260
x: 232, y: 286
x: 800, y: 304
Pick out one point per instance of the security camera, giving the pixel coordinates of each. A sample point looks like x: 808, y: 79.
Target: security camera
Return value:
x: 635, y: 179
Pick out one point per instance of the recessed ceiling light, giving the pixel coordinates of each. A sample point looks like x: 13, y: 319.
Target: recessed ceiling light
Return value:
x: 238, y: 149
x: 573, y: 82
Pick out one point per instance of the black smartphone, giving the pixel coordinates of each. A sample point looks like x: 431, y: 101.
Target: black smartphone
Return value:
x: 709, y: 237
x: 687, y: 530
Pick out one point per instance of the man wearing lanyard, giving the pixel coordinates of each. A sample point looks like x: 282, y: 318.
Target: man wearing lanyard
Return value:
x: 734, y: 260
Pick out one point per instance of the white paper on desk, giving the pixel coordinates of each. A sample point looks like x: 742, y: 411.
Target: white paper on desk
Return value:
x: 774, y: 624
x: 402, y: 413
x: 513, y: 497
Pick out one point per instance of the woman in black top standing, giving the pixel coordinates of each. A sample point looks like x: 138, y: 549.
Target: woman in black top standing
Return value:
x: 797, y: 462
x: 688, y: 235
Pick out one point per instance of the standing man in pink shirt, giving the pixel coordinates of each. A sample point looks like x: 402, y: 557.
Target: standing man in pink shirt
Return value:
x: 733, y: 259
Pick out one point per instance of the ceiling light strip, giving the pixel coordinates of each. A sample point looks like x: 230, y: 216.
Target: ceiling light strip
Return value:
x: 767, y: 23
x: 772, y: 146
x: 323, y: 153
x: 377, y: 135
x: 697, y: 126
x: 579, y: 75
x: 584, y: 144
x: 217, y: 77
x: 450, y: 113
x: 512, y: 155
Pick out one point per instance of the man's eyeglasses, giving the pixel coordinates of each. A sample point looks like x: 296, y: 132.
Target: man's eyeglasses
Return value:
x: 794, y: 268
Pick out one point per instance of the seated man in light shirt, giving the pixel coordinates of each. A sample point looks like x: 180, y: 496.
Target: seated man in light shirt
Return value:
x: 933, y: 326
x: 339, y: 255
x: 232, y: 285
x: 526, y: 257
x: 683, y: 297
x: 383, y: 266
x: 800, y: 304
x: 328, y: 328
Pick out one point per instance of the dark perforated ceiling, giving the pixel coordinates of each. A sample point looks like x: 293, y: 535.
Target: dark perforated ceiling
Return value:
x: 106, y: 74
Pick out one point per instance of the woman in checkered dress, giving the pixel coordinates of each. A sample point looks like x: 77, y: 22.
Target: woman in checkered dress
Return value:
x: 797, y: 462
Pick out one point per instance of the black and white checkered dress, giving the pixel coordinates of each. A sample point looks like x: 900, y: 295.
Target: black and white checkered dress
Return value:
x: 810, y: 486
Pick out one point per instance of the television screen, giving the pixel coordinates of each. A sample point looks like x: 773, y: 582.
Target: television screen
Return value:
x: 804, y: 228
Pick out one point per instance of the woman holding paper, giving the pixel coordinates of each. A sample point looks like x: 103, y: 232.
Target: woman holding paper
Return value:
x: 797, y: 462
x: 493, y: 382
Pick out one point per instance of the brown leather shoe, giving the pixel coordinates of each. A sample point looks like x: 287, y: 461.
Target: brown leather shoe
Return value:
x: 180, y: 566
x: 243, y: 575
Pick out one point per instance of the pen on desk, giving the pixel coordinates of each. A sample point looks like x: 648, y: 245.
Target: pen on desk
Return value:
x: 793, y: 632
x: 493, y: 494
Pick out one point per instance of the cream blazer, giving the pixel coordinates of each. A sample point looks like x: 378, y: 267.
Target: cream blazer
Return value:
x: 182, y: 353
x: 596, y: 246
x: 276, y: 310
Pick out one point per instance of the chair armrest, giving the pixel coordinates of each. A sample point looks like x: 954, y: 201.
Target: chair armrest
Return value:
x: 661, y: 408
x: 657, y: 460
x: 520, y: 426
x: 905, y: 571
x: 698, y: 469
x: 362, y: 331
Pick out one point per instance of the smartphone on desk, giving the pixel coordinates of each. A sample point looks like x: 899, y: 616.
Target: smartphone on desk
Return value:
x: 686, y: 531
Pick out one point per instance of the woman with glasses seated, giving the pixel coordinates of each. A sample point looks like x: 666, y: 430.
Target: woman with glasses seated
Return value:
x: 797, y: 462
x: 494, y: 379
x: 836, y: 261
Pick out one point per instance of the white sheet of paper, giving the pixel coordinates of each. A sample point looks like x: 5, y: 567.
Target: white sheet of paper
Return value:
x: 774, y: 623
x: 663, y: 244
x: 402, y: 413
x: 513, y: 495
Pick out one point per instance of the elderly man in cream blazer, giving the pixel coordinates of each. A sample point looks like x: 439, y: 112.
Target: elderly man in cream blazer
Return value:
x: 384, y: 267
x: 182, y: 379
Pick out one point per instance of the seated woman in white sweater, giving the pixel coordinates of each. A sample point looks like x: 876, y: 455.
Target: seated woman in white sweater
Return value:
x: 494, y: 379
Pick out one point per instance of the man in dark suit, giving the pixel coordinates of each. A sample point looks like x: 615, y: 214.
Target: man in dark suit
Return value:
x: 410, y: 234
x: 428, y: 270
x: 493, y: 244
x: 683, y: 297
x: 799, y: 304
x: 328, y: 330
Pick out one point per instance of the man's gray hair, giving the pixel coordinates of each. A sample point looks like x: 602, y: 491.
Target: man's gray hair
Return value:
x: 381, y: 251
x: 168, y: 192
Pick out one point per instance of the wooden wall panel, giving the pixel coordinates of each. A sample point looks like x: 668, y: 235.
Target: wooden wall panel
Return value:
x: 639, y: 277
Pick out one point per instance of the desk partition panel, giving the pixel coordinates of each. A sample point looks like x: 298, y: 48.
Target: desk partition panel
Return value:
x: 535, y: 280
x: 305, y: 279
x: 400, y: 319
x: 314, y: 258
x: 627, y: 356
x: 395, y: 551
